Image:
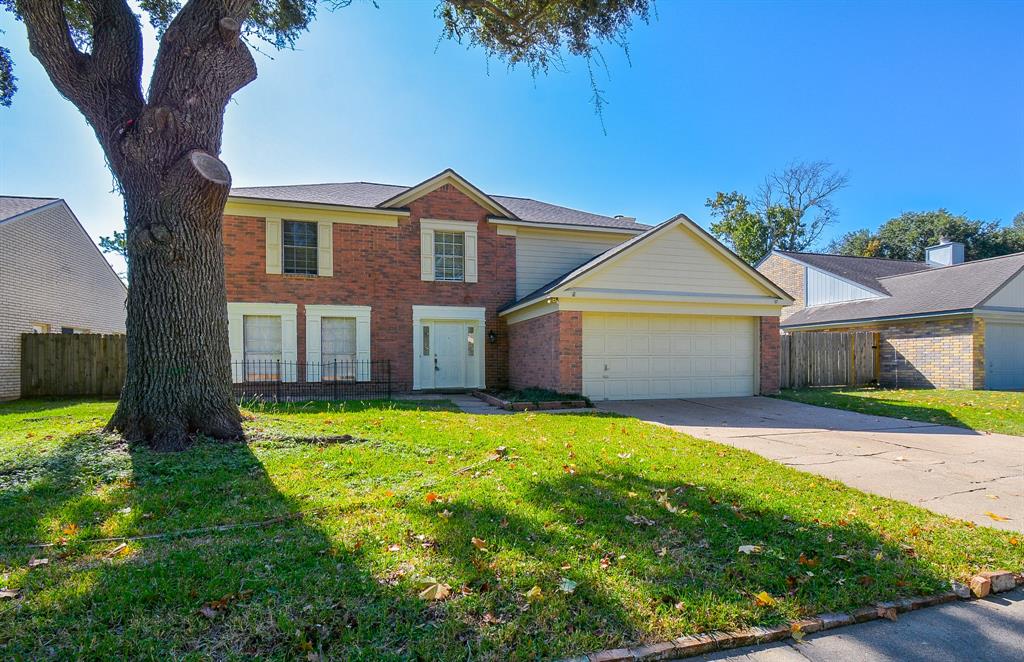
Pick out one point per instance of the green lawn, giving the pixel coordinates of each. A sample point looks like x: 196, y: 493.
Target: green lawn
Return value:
x: 639, y: 525
x: 989, y: 411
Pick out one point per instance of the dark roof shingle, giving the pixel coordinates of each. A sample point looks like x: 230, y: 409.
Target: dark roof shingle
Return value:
x: 932, y: 290
x: 864, y: 271
x: 367, y: 194
x: 13, y: 205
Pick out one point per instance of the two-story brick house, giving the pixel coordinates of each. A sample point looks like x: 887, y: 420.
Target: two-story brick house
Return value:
x: 459, y: 289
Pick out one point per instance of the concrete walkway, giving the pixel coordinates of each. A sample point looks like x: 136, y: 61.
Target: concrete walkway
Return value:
x: 953, y: 471
x: 990, y: 630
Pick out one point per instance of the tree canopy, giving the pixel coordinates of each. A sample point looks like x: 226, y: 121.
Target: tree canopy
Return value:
x: 906, y: 236
x: 534, y: 33
x: 789, y: 211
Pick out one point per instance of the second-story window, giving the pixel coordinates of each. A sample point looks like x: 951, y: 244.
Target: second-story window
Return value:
x: 449, y: 255
x: 298, y: 243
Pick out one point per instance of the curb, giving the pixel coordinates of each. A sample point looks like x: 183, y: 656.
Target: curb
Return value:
x: 710, y: 642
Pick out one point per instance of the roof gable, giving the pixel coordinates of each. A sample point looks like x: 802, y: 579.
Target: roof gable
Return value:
x: 450, y: 177
x: 864, y: 271
x: 666, y: 258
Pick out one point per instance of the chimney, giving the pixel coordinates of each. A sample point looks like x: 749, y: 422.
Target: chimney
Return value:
x: 944, y: 254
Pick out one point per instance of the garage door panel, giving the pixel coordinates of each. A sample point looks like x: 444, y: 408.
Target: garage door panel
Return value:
x: 1004, y: 355
x: 667, y: 356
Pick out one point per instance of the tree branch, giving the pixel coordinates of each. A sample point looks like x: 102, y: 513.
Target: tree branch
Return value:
x: 105, y: 84
x: 200, y: 65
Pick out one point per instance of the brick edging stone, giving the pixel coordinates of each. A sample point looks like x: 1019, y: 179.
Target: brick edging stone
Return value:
x: 709, y: 642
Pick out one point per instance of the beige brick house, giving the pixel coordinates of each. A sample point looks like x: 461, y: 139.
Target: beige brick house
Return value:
x: 53, y: 279
x: 943, y: 322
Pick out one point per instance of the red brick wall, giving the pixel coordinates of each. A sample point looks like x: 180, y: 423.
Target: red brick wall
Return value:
x: 769, y: 367
x: 380, y: 267
x: 548, y: 352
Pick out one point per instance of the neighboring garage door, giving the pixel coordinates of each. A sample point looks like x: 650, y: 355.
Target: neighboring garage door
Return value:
x: 640, y: 356
x: 1004, y: 355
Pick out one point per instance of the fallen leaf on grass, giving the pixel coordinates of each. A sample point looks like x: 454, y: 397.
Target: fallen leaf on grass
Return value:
x: 1014, y: 541
x: 394, y: 548
x: 431, y: 497
x: 567, y: 585
x: 640, y: 519
x: 797, y: 633
x: 35, y: 563
x: 208, y: 611
x: 866, y: 580
x: 762, y: 599
x: 810, y: 563
x: 479, y: 543
x: 750, y: 549
x: 997, y: 517
x: 436, y: 592
x: 491, y: 619
x: 534, y: 594
x: 9, y: 594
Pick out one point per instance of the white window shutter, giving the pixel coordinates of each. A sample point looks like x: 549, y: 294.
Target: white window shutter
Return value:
x: 324, y: 249
x: 273, y: 245
x: 313, y: 321
x: 236, y: 344
x: 426, y: 254
x: 471, y: 261
x: 289, y: 351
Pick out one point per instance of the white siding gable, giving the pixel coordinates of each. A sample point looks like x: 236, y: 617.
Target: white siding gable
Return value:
x: 543, y: 256
x: 676, y: 261
x: 51, y: 273
x: 1011, y: 295
x: 822, y: 288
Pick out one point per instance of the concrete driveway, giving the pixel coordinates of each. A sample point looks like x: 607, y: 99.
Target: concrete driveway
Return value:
x: 952, y: 471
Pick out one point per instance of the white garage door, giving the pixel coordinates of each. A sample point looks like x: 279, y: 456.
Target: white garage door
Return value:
x: 641, y: 356
x: 1004, y: 356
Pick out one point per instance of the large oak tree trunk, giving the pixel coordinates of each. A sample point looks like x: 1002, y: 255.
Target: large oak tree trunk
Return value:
x: 179, y: 373
x: 162, y: 149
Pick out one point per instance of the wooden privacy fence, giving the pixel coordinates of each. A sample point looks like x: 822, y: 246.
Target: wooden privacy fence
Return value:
x: 55, y: 364
x: 811, y: 358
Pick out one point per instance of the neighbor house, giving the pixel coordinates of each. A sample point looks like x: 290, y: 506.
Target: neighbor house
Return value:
x: 459, y: 289
x: 53, y: 279
x: 942, y: 323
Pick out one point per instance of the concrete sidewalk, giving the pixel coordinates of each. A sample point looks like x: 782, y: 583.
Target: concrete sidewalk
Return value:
x: 989, y: 630
x: 953, y: 471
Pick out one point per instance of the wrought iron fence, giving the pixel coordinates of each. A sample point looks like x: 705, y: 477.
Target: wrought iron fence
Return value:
x: 284, y: 381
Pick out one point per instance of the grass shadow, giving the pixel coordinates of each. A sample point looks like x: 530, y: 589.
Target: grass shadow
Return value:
x: 875, y: 405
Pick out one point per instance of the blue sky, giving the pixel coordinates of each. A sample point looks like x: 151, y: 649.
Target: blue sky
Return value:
x: 922, y: 103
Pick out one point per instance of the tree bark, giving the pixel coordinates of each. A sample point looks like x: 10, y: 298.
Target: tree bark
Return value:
x: 163, y: 151
x: 179, y: 374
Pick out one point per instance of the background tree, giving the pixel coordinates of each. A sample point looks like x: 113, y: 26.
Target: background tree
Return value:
x: 906, y: 236
x: 162, y: 147
x: 115, y: 244
x: 789, y: 212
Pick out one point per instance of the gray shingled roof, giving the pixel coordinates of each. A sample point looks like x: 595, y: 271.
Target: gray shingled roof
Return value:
x: 960, y: 287
x: 13, y: 205
x: 367, y: 194
x: 864, y: 271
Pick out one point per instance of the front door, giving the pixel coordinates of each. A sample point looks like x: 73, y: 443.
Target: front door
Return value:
x: 449, y: 354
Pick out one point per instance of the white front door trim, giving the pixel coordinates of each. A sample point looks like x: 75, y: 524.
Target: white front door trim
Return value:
x: 425, y: 315
x: 314, y: 318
